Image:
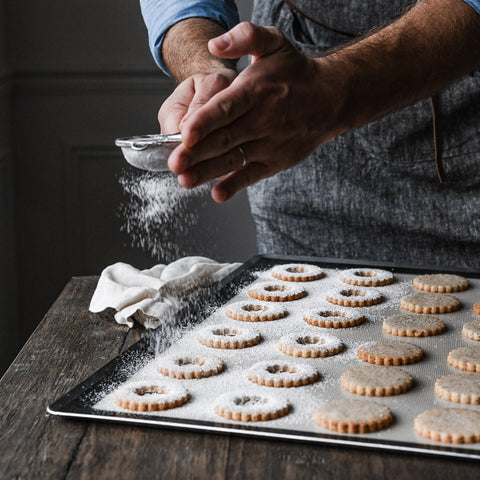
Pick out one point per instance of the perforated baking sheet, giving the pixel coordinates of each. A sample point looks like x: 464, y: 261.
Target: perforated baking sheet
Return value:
x: 94, y: 398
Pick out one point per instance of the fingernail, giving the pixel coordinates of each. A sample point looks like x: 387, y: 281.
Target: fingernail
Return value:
x: 223, y: 42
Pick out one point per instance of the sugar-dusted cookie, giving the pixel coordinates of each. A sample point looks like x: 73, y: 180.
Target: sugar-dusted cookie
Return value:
x: 440, y: 283
x: 251, y: 407
x: 430, y: 303
x: 354, y: 297
x: 252, y: 311
x: 308, y: 345
x: 367, y: 277
x: 331, y: 318
x: 449, y: 425
x: 472, y: 330
x: 276, y: 292
x: 353, y: 416
x: 189, y: 366
x: 390, y: 352
x: 297, y: 272
x: 460, y: 388
x: 226, y: 337
x: 376, y: 380
x: 151, y: 397
x: 465, y: 358
x: 413, y: 325
x: 476, y: 308
x: 284, y: 373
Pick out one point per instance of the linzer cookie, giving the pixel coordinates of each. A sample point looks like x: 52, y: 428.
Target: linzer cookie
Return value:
x: 330, y: 318
x: 476, y: 308
x: 413, y: 326
x: 151, y: 397
x: 251, y: 311
x: 276, y: 292
x: 449, y: 425
x: 307, y: 345
x: 472, y: 330
x: 189, y: 366
x: 460, y: 388
x: 376, y: 381
x: 353, y: 416
x: 440, y: 283
x: 297, y: 272
x: 354, y: 297
x: 465, y: 358
x: 286, y: 374
x: 251, y: 407
x: 390, y: 352
x: 366, y: 277
x: 223, y: 336
x: 430, y: 303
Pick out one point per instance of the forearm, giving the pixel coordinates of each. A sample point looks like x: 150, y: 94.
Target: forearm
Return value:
x: 430, y: 46
x: 185, y: 49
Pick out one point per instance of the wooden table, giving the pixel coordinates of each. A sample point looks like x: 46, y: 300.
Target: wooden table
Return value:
x: 71, y: 343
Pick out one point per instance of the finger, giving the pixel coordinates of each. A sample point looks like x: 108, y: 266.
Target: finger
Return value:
x: 222, y: 109
x: 237, y: 181
x: 214, y: 145
x: 247, y: 39
x: 213, y: 168
x: 175, y: 107
x: 205, y: 88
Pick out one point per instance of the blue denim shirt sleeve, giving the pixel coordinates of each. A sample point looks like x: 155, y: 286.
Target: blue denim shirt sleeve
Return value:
x: 160, y: 15
x: 475, y: 4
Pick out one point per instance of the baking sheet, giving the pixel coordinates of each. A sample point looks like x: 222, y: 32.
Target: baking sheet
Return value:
x: 93, y: 398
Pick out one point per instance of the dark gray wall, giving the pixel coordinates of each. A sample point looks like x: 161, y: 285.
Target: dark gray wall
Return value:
x: 82, y: 76
x: 9, y: 327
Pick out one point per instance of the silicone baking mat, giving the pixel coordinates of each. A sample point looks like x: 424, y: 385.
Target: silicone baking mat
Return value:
x: 94, y: 398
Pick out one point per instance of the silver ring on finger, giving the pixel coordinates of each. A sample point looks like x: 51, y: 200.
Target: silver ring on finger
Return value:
x: 244, y: 155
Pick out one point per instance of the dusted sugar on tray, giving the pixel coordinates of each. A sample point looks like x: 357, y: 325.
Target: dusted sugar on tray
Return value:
x: 268, y: 354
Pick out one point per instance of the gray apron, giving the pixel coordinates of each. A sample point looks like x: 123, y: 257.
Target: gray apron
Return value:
x: 373, y: 193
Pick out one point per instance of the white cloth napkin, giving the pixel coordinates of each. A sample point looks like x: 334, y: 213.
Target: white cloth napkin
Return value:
x: 148, y: 296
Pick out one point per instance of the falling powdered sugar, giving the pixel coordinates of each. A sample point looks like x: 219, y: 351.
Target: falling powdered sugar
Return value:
x: 159, y: 212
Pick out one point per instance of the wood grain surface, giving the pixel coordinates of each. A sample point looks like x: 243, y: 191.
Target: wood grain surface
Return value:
x: 70, y: 344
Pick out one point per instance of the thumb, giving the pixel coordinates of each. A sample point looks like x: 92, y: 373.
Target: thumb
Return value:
x: 247, y: 39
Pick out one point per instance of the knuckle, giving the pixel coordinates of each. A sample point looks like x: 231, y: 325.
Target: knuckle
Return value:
x: 248, y: 30
x: 225, y: 139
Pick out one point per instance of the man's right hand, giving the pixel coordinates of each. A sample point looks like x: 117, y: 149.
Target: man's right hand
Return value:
x: 190, y: 95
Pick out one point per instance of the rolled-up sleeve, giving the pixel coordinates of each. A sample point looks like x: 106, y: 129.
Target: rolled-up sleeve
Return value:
x: 475, y: 4
x: 160, y: 15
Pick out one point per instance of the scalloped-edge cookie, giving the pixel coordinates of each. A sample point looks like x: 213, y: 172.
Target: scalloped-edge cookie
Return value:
x: 353, y: 416
x: 476, y: 308
x: 413, y: 326
x: 309, y: 345
x: 251, y: 407
x: 366, y: 277
x: 189, y: 366
x: 251, y: 311
x: 390, y: 352
x: 226, y: 337
x: 376, y: 381
x: 354, y: 297
x: 460, y: 388
x: 449, y: 425
x: 282, y: 374
x: 440, y: 283
x: 465, y: 358
x: 434, y: 303
x: 331, y: 318
x: 151, y: 397
x: 276, y: 292
x: 297, y: 272
x: 471, y: 330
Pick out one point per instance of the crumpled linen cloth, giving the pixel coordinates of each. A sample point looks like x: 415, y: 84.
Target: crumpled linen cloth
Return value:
x: 150, y: 296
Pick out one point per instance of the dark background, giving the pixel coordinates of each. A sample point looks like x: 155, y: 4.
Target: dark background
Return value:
x: 73, y: 77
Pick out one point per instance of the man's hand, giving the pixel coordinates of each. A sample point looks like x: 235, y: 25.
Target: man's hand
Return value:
x: 190, y: 95
x: 273, y: 110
